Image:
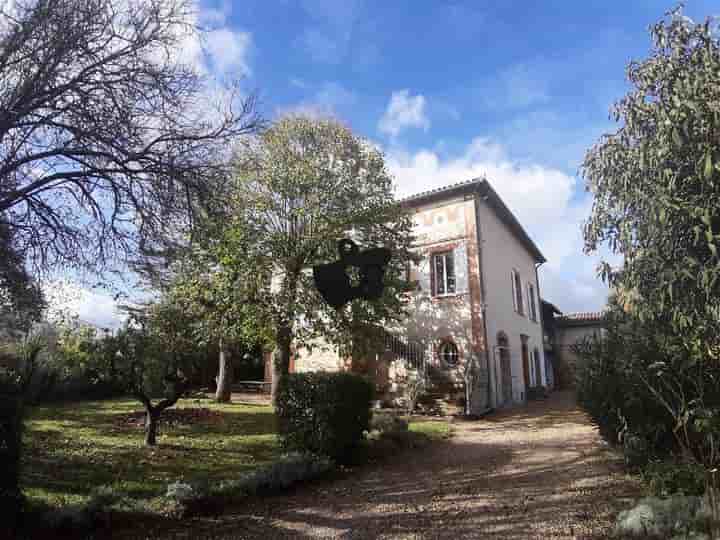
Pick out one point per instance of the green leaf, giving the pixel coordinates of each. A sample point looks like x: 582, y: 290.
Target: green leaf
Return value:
x: 708, y: 169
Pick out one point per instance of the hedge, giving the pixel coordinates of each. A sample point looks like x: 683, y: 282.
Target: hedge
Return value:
x: 324, y: 413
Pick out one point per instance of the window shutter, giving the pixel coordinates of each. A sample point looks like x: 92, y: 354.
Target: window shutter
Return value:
x: 528, y: 291
x: 433, y: 288
x: 514, y: 292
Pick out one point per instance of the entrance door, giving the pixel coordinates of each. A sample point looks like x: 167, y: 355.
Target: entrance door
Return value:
x: 525, y: 363
x: 505, y: 369
x: 538, y: 373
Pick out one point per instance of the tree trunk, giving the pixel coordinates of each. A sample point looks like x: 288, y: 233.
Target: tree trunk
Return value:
x: 281, y: 358
x: 151, y: 424
x: 222, y: 394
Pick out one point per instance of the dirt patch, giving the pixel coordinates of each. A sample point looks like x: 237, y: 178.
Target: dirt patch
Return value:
x: 171, y: 417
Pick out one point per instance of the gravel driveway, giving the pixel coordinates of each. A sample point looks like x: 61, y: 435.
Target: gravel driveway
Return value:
x: 538, y: 471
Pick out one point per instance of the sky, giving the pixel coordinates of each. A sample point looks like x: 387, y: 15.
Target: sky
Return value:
x: 516, y: 91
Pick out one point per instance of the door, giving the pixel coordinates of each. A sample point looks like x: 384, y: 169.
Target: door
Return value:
x: 505, y: 369
x: 525, y: 363
x: 538, y: 373
x: 506, y: 375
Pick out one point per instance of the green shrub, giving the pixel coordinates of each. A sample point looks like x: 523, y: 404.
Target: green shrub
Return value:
x: 324, y: 413
x: 11, y: 426
x: 670, y: 477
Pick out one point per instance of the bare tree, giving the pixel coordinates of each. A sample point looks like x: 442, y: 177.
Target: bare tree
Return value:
x: 107, y: 141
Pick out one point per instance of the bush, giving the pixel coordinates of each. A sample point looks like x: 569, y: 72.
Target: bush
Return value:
x: 324, y: 413
x: 11, y: 426
x: 186, y: 499
x: 666, y: 478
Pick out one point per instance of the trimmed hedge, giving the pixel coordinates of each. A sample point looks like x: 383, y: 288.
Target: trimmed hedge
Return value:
x: 324, y: 413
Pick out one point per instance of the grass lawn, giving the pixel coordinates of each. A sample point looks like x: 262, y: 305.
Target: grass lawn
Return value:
x: 75, y: 447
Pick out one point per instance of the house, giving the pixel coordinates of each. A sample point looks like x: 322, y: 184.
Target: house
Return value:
x: 474, y: 330
x: 562, y: 332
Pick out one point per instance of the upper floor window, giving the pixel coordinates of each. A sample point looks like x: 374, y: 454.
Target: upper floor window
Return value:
x: 443, y: 267
x: 532, y: 309
x: 517, y: 295
x: 449, y: 353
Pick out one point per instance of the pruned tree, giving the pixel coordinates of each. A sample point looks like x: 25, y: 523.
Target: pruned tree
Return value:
x: 108, y: 142
x: 151, y: 358
x: 301, y: 187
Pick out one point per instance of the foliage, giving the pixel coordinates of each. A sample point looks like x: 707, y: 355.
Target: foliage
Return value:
x: 656, y: 182
x: 21, y: 298
x: 302, y: 186
x: 108, y: 139
x: 11, y: 428
x: 200, y: 498
x: 611, y: 390
x: 672, y: 477
x: 414, y: 389
x: 324, y: 413
x: 387, y: 423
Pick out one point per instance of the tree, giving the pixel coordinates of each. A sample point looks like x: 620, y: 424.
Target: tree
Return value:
x: 222, y: 303
x: 107, y: 141
x: 656, y: 183
x: 301, y: 187
x: 21, y: 299
x: 151, y: 357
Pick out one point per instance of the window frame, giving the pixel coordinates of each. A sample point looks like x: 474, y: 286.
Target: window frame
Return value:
x: 441, y: 353
x: 446, y: 279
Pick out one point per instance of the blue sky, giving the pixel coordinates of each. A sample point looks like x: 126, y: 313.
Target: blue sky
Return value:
x: 517, y: 90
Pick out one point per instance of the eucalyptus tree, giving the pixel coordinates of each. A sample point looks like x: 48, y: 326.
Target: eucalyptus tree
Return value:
x: 656, y: 187
x: 656, y: 184
x: 302, y: 186
x: 109, y: 141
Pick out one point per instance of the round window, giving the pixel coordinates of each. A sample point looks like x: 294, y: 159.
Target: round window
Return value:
x: 449, y: 353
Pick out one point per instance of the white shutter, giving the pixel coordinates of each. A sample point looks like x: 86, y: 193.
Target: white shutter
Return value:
x: 514, y: 292
x: 423, y: 271
x: 461, y: 264
x: 528, y: 290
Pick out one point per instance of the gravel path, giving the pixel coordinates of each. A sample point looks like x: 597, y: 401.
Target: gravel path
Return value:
x: 539, y: 471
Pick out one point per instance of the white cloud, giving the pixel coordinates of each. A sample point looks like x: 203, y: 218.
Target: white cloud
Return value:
x: 228, y: 51
x: 404, y: 111
x: 326, y: 101
x: 68, y: 298
x: 544, y: 199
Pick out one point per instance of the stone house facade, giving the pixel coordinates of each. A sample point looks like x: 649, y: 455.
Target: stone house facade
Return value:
x: 474, y: 327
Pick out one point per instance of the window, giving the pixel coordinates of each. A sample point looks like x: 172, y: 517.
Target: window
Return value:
x: 449, y: 353
x: 517, y: 291
x: 531, y: 302
x: 443, y: 268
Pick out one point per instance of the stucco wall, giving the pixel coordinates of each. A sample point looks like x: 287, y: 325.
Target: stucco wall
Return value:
x: 566, y: 337
x: 501, y: 252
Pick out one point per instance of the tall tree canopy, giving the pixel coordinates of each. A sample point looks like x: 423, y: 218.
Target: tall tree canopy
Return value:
x: 656, y: 184
x: 107, y: 140
x: 301, y: 187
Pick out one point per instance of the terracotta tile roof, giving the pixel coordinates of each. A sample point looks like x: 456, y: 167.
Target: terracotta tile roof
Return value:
x: 582, y: 316
x: 443, y: 189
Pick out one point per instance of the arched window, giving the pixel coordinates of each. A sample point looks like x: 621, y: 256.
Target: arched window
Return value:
x: 449, y: 353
